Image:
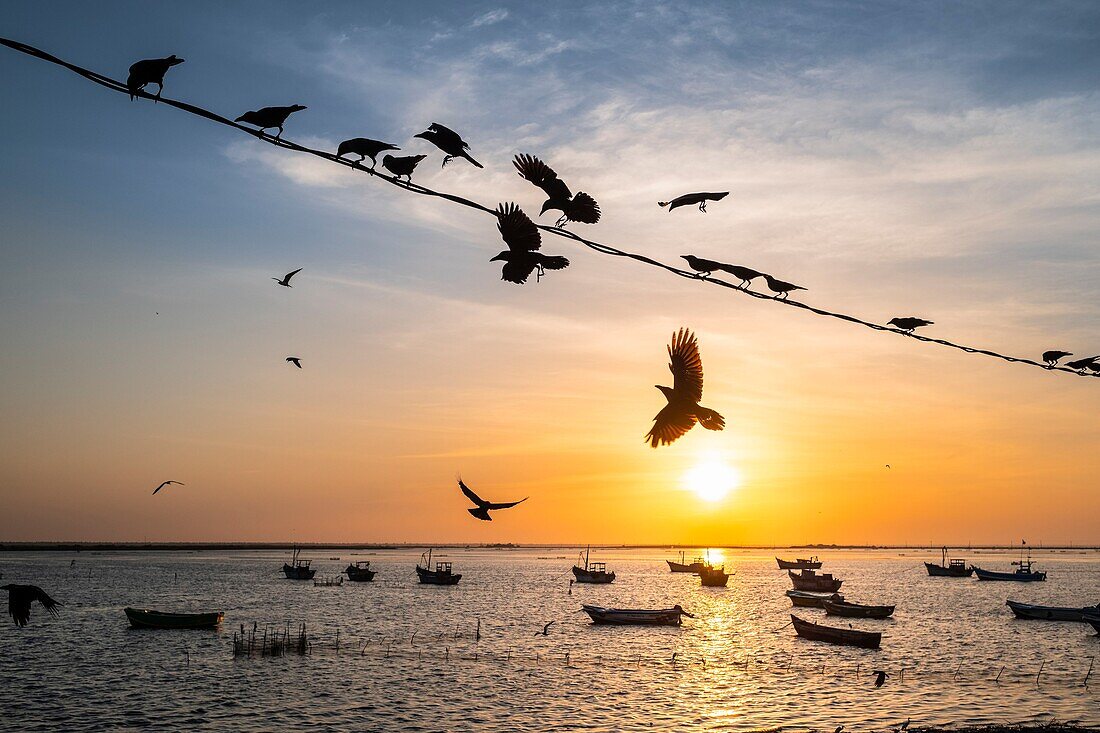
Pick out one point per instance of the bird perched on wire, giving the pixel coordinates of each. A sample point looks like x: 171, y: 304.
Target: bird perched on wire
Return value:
x: 364, y: 147
x: 168, y: 483
x: 545, y: 629
x: 1082, y: 364
x: 149, y: 71
x: 580, y: 207
x: 880, y: 677
x: 523, y: 240
x: 745, y: 274
x: 703, y: 266
x: 690, y: 199
x: 781, y: 288
x: 295, y: 360
x: 285, y: 282
x: 402, y: 165
x: 908, y: 324
x: 1052, y: 357
x: 683, y: 409
x: 449, y: 141
x: 481, y: 511
x: 269, y: 117
x: 20, y: 598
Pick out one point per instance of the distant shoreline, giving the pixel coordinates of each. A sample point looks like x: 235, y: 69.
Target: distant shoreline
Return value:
x: 192, y: 546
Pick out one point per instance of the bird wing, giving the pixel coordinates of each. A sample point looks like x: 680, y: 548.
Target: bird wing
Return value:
x: 292, y: 274
x: 686, y: 365
x: 668, y: 425
x: 161, y: 487
x: 517, y: 272
x: 516, y: 229
x: 583, y: 208
x: 505, y: 505
x: 42, y: 597
x: 553, y: 262
x: 542, y: 175
x: 19, y: 606
x: 472, y: 496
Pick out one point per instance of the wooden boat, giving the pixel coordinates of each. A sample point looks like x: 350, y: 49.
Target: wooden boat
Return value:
x: 809, y: 580
x: 1023, y: 572
x: 955, y: 569
x: 1092, y: 619
x: 360, y: 572
x: 636, y: 616
x: 298, y: 569
x: 799, y: 564
x: 831, y: 635
x: 714, y: 577
x: 812, y: 600
x: 1051, y: 613
x: 593, y: 572
x: 681, y: 567
x: 442, y: 575
x: 143, y: 618
x: 856, y: 610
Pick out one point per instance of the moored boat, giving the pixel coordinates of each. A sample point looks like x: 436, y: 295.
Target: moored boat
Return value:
x: 1051, y: 613
x: 682, y: 567
x: 298, y: 569
x: 360, y: 571
x: 832, y: 635
x: 442, y: 575
x: 857, y: 610
x: 1023, y: 573
x: 1092, y: 619
x: 955, y: 569
x: 593, y: 572
x: 636, y: 616
x: 805, y: 599
x: 809, y: 580
x: 801, y: 563
x: 714, y: 577
x: 144, y: 618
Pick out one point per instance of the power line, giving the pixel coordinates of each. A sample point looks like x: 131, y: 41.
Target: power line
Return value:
x: 424, y: 191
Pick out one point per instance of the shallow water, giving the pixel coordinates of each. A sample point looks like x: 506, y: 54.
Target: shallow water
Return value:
x: 738, y: 665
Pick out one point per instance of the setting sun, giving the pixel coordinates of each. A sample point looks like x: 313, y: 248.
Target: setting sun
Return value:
x: 712, y: 479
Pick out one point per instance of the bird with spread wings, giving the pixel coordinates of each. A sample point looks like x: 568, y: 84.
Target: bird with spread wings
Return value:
x: 167, y: 483
x: 523, y: 239
x: 683, y: 409
x: 20, y: 598
x: 580, y: 207
x: 481, y: 511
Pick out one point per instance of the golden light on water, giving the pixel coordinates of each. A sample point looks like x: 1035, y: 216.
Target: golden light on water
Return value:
x: 711, y: 478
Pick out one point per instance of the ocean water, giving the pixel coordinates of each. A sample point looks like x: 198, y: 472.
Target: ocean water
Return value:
x: 408, y: 656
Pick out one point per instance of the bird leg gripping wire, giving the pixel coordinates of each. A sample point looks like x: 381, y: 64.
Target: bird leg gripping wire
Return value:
x: 558, y: 229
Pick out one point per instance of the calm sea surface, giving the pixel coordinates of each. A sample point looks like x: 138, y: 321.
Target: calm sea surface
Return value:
x: 408, y: 658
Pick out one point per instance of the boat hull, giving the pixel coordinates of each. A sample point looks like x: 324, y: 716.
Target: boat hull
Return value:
x: 298, y: 573
x: 714, y: 577
x: 596, y: 578
x: 830, y: 635
x: 798, y: 564
x: 1093, y: 619
x: 359, y: 575
x: 679, y: 567
x: 1018, y: 577
x: 634, y: 617
x: 939, y: 571
x: 802, y: 599
x: 814, y: 583
x: 1050, y: 613
x: 434, y: 577
x: 142, y: 618
x: 855, y: 610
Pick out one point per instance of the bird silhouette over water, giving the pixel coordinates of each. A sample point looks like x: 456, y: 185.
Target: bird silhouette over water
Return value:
x: 907, y: 324
x: 1052, y: 357
x: 20, y: 598
x: 285, y: 282
x: 149, y: 71
x: 880, y: 677
x: 295, y: 360
x: 690, y: 199
x: 545, y: 629
x: 523, y: 240
x: 402, y: 165
x: 580, y: 207
x: 481, y: 511
x: 1082, y: 364
x: 683, y: 409
x: 269, y: 117
x: 364, y: 147
x: 449, y: 141
x: 168, y: 483
x: 781, y: 288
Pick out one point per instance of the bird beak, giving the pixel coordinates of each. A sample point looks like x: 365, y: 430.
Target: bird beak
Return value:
x: 544, y: 207
x: 421, y: 135
x: 497, y: 257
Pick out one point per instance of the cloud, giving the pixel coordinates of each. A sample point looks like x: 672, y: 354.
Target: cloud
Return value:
x: 490, y: 18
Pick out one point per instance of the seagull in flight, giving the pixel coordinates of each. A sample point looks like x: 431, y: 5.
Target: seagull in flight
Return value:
x: 683, y: 409
x: 908, y: 324
x: 481, y: 511
x: 523, y: 239
x: 880, y: 677
x: 545, y: 629
x: 285, y: 282
x: 168, y: 483
x: 580, y: 207
x: 20, y: 598
x: 295, y: 360
x: 149, y: 71
x: 690, y: 199
x: 449, y: 141
x: 1052, y: 357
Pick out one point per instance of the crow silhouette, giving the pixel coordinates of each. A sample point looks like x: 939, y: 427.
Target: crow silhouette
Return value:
x: 1052, y: 357
x: 402, y: 165
x: 20, y: 598
x: 880, y: 677
x: 700, y: 265
x: 481, y: 511
x: 269, y: 117
x: 149, y: 71
x: 1082, y: 364
x: 364, y: 147
x: 449, y: 141
x: 908, y: 324
x: 523, y: 240
x: 285, y: 282
x: 689, y: 199
x: 581, y: 207
x: 167, y: 483
x: 545, y: 628
x: 781, y: 288
x: 745, y: 274
x: 295, y: 360
x: 683, y: 409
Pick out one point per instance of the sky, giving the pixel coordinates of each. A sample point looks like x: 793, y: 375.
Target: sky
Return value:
x: 932, y: 159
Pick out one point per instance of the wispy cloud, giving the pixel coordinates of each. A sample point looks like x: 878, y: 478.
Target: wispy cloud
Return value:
x: 490, y: 18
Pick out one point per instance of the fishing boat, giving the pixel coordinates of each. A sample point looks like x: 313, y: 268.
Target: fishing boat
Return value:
x: 1023, y: 572
x: 592, y: 572
x: 442, y: 575
x: 298, y: 569
x: 801, y: 563
x: 1093, y: 619
x: 856, y: 610
x: 832, y: 635
x: 682, y: 567
x: 955, y: 569
x: 144, y: 618
x: 714, y: 577
x: 1051, y: 613
x: 812, y: 600
x: 809, y: 580
x: 360, y: 571
x: 636, y: 616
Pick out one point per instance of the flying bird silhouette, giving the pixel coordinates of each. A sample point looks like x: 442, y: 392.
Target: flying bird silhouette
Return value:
x: 295, y: 360
x: 269, y: 117
x: 364, y: 147
x: 149, y: 71
x: 908, y: 324
x: 20, y: 598
x: 580, y: 207
x: 781, y: 288
x: 168, y: 483
x: 690, y: 199
x: 523, y: 240
x: 402, y: 165
x: 1082, y: 364
x: 880, y: 677
x: 545, y: 629
x: 1052, y: 357
x: 481, y: 511
x: 702, y: 266
x: 285, y: 282
x: 449, y: 141
x: 683, y: 408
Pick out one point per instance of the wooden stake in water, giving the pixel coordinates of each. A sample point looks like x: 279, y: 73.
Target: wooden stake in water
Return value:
x: 477, y: 634
x: 998, y: 680
x: 1040, y: 672
x: 1089, y: 673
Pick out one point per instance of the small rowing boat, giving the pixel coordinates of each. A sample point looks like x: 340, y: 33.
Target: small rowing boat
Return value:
x: 812, y: 600
x: 143, y: 618
x: 809, y: 580
x: 801, y: 563
x: 636, y: 616
x: 1050, y: 613
x: 832, y: 635
x: 856, y: 610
